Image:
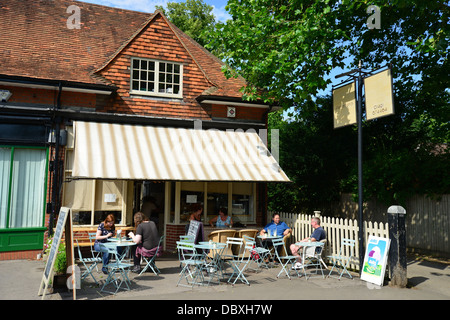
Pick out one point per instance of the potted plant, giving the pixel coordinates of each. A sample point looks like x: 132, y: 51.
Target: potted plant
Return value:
x: 60, y: 266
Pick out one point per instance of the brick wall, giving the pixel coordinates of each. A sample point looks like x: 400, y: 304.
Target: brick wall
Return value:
x: 157, y: 41
x: 173, y: 233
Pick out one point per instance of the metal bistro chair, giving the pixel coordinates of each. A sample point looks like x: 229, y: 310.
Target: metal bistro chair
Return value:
x: 238, y: 261
x: 257, y: 254
x: 341, y: 261
x: 312, y: 257
x: 150, y: 261
x: 116, y: 269
x: 86, y: 261
x: 95, y: 255
x: 190, y: 259
x: 290, y: 259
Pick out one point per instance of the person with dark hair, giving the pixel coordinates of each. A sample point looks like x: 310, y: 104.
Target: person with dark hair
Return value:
x: 146, y: 238
x: 281, y: 228
x: 223, y: 220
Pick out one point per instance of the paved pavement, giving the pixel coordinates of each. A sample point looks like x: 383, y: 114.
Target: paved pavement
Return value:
x: 20, y: 279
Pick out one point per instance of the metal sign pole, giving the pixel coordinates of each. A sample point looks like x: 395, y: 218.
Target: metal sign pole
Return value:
x: 360, y: 170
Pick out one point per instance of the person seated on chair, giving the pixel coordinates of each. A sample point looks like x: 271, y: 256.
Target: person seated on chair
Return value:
x: 223, y: 220
x: 278, y: 226
x: 106, y: 229
x: 146, y: 238
x: 317, y: 235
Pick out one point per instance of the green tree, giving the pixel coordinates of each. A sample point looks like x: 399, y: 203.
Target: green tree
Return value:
x: 193, y: 17
x: 285, y: 49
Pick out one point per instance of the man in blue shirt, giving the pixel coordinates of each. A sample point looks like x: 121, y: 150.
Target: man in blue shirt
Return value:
x: 276, y: 225
x: 280, y: 227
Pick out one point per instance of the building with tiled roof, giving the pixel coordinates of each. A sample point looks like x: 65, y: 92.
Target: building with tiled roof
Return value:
x: 85, y: 85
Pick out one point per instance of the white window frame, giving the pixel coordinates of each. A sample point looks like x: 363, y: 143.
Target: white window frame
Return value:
x: 157, y: 81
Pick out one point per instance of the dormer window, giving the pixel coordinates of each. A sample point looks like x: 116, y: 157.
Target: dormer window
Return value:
x: 156, y: 78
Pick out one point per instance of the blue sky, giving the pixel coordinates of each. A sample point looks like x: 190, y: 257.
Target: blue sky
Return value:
x: 149, y: 5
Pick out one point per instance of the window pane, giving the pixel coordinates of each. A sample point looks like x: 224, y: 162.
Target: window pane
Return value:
x: 169, y: 67
x: 162, y: 67
x: 135, y: 85
x: 135, y: 75
x: 151, y: 65
x: 151, y: 87
x: 176, y: 89
x: 162, y: 77
x: 161, y: 88
x: 176, y: 68
x: 143, y: 64
x: 5, y: 164
x: 169, y: 78
x: 151, y: 76
x: 143, y: 75
x: 143, y: 86
x: 135, y: 64
x: 27, y: 189
x: 176, y: 79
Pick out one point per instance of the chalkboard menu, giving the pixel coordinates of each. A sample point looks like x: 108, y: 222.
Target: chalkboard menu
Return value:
x: 196, y: 230
x: 56, y: 241
x: 63, y: 215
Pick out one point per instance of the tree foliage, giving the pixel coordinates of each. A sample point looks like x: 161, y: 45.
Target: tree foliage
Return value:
x: 287, y: 47
x: 193, y: 17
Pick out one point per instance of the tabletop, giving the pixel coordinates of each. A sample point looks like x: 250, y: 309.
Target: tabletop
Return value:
x: 207, y: 245
x: 117, y: 239
x: 309, y: 244
x: 269, y: 237
x: 119, y: 244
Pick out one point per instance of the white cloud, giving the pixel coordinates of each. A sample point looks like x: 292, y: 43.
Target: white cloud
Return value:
x: 221, y: 14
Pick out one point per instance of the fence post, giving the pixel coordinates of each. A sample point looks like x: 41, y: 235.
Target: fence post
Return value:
x: 397, y: 251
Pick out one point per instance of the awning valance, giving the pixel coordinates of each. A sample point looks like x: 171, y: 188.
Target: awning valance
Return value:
x: 135, y: 152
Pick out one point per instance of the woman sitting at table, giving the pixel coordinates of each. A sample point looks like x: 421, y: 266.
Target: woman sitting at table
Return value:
x: 106, y: 229
x: 222, y: 220
x: 146, y: 238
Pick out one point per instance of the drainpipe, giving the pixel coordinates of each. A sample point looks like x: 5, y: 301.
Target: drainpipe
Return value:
x: 55, y: 180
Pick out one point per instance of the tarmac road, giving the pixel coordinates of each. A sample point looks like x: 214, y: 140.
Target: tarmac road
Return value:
x: 20, y: 280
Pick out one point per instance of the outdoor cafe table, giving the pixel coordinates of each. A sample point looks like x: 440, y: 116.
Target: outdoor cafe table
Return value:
x: 116, y: 243
x: 308, y: 244
x: 212, y: 254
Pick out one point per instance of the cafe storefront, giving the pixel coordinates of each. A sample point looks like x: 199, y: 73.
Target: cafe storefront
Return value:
x: 116, y: 168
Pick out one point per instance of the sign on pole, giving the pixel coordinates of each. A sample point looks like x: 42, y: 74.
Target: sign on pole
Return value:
x: 375, y: 260
x: 378, y: 94
x: 344, y: 105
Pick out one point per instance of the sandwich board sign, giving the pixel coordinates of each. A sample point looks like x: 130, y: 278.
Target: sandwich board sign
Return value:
x: 375, y: 260
x: 64, y: 225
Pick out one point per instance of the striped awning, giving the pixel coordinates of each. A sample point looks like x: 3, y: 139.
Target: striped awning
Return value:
x: 136, y: 152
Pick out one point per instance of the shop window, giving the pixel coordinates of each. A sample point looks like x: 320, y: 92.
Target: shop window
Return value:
x: 92, y: 200
x: 243, y: 201
x: 217, y: 198
x: 190, y: 194
x: 22, y: 187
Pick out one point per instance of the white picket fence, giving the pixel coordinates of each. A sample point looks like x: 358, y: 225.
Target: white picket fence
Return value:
x: 336, y: 229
